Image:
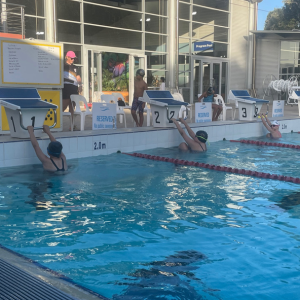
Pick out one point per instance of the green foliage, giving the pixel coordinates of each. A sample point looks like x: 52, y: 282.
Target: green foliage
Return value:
x: 285, y: 18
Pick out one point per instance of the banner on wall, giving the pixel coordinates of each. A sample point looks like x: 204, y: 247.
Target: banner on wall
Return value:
x: 203, y: 112
x: 278, y: 108
x: 104, y: 116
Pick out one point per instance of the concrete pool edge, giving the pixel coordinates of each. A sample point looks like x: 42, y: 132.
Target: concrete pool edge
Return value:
x: 79, y: 144
x: 48, y: 276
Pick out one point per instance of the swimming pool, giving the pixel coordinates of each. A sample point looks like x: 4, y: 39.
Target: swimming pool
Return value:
x: 127, y: 227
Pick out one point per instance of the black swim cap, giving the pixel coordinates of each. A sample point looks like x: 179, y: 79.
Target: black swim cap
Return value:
x: 210, y: 91
x: 140, y: 72
x: 202, y: 136
x: 54, y: 148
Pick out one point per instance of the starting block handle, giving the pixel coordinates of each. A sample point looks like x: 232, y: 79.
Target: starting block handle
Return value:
x: 36, y: 128
x: 256, y: 110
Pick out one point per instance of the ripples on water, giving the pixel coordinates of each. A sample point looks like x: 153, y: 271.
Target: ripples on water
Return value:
x: 127, y: 227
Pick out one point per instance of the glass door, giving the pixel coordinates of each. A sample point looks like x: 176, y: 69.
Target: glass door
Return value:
x: 207, y: 74
x: 95, y: 76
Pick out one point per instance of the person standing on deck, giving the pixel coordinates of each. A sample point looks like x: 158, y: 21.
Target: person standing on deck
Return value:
x: 57, y: 160
x: 139, y: 87
x: 72, y: 82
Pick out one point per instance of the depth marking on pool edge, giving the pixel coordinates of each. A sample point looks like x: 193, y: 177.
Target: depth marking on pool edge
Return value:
x: 217, y: 168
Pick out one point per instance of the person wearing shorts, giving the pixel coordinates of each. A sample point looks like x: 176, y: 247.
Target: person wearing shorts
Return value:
x: 72, y: 82
x: 139, y: 87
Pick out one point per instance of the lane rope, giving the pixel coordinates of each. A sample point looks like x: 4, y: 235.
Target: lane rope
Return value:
x: 260, y: 143
x: 217, y: 168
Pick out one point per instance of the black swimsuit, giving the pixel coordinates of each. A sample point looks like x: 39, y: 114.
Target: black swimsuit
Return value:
x: 57, y: 169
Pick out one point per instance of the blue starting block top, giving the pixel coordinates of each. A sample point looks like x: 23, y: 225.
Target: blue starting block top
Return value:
x: 161, y: 98
x: 26, y: 104
x: 241, y: 95
x: 19, y: 93
x: 297, y: 93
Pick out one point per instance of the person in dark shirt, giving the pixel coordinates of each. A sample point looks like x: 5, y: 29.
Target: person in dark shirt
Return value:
x: 72, y: 82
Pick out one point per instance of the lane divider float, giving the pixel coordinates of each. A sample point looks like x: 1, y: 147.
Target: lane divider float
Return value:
x: 261, y: 143
x: 217, y: 168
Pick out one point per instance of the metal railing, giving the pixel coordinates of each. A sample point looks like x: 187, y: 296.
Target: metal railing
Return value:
x: 12, y: 20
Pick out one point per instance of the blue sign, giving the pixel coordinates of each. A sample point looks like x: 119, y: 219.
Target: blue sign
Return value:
x: 203, y: 46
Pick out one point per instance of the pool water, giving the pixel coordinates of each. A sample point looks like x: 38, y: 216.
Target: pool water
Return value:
x: 131, y: 228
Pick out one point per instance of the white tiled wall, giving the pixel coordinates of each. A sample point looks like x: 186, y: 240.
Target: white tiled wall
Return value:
x: 19, y: 153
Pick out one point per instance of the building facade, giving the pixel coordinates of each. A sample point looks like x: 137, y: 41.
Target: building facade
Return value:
x: 194, y: 44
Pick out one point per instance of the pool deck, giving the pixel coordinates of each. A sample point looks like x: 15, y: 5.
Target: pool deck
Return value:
x: 88, y: 143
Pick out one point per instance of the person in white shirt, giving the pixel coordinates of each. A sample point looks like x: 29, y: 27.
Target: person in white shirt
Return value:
x: 162, y: 86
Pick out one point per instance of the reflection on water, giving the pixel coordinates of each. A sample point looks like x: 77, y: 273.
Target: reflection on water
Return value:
x: 164, y: 279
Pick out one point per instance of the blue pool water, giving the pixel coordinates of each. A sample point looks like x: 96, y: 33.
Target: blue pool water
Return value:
x: 131, y: 228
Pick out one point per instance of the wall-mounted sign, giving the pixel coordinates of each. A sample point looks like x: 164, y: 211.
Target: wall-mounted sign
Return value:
x: 203, y: 112
x: 203, y: 46
x: 278, y: 108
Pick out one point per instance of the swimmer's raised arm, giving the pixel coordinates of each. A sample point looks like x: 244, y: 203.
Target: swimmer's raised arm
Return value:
x: 189, y: 130
x: 47, y: 131
x: 39, y: 153
x: 266, y: 122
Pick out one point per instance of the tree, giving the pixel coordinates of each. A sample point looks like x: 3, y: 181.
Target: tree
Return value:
x: 285, y: 18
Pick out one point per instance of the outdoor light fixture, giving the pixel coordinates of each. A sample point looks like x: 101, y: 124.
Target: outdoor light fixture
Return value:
x: 40, y: 33
x: 194, y: 13
x: 148, y: 19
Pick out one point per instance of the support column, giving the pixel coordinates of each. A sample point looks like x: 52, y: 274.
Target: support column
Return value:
x: 172, y: 45
x: 50, y: 14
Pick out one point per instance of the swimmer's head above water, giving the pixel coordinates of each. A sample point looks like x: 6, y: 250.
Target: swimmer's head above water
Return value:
x: 202, y: 136
x: 54, y: 149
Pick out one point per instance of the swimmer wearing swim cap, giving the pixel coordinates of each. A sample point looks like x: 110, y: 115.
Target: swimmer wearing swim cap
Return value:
x: 271, y: 126
x: 193, y: 142
x: 57, y: 160
x: 139, y: 87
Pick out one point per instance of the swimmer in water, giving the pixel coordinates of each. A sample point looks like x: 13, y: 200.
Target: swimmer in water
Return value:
x: 195, y: 141
x: 57, y: 160
x: 272, y: 127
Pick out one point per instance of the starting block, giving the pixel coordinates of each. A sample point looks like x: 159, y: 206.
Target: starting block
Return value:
x: 24, y: 107
x: 249, y: 107
x: 163, y: 107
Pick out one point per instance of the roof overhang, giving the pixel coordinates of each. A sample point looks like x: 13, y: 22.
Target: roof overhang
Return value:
x: 277, y: 34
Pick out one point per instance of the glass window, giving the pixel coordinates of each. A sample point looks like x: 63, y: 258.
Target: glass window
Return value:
x: 184, y: 63
x: 68, y: 10
x: 290, y: 46
x: 95, y: 35
x: 156, y: 24
x: 153, y: 78
x: 32, y: 7
x: 68, y: 32
x: 184, y: 29
x: 158, y: 7
x: 213, y: 49
x: 129, y: 4
x: 155, y: 42
x: 35, y: 28
x: 156, y: 61
x: 223, y: 5
x: 188, y: 1
x: 107, y: 16
x: 210, y: 16
x: 184, y: 80
x: 184, y: 45
x: 210, y: 33
x: 184, y: 11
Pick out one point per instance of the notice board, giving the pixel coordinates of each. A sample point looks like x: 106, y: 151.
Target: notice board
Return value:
x: 31, y: 63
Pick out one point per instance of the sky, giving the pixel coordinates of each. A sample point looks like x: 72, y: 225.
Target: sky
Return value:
x: 264, y: 8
